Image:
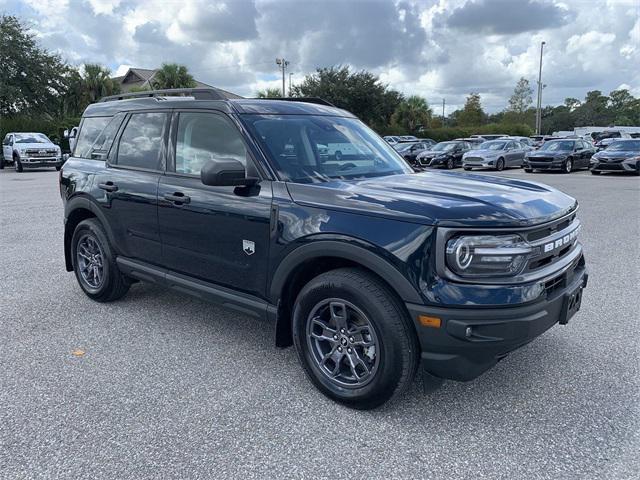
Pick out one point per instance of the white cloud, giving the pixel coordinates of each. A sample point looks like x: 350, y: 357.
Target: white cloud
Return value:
x: 434, y: 48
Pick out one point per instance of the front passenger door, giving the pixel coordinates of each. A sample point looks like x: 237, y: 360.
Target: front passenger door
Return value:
x: 219, y: 234
x: 7, y: 148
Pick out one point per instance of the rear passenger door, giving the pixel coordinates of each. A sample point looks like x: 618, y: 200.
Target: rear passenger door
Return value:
x: 218, y: 234
x: 127, y: 189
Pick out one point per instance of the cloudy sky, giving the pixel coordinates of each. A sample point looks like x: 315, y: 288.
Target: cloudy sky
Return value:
x: 438, y: 48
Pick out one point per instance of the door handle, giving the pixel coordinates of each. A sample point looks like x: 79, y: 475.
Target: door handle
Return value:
x: 108, y: 186
x: 178, y: 198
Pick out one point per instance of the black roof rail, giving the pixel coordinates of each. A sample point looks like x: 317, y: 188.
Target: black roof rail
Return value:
x: 197, y: 93
x: 316, y: 100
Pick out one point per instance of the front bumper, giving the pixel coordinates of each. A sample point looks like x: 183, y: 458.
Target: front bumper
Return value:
x: 553, y: 165
x: 38, y: 162
x: 478, y: 162
x: 470, y: 341
x: 632, y: 166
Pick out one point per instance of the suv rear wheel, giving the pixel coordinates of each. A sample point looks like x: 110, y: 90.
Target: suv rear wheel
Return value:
x: 354, y: 339
x: 17, y: 164
x: 94, y: 263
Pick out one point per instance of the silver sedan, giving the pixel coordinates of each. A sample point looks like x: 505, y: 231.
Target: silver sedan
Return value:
x: 496, y: 154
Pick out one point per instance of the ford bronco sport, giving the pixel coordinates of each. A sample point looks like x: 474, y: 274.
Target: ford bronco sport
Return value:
x: 370, y: 269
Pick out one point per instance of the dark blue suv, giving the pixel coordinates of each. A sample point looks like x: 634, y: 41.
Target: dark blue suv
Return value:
x: 368, y: 268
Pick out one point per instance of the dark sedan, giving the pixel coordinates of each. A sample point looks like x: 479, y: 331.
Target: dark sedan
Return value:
x: 410, y: 150
x: 444, y: 154
x: 563, y: 155
x: 620, y: 156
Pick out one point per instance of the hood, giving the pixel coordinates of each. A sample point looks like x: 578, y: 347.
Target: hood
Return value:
x: 545, y: 153
x: 36, y: 146
x: 440, y: 198
x: 485, y: 152
x: 617, y: 154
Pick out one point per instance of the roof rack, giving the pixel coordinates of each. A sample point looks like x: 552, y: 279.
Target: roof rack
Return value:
x: 316, y: 100
x: 197, y: 93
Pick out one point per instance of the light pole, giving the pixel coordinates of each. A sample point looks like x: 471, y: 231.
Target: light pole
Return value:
x: 290, y: 75
x: 539, y: 106
x: 283, y: 66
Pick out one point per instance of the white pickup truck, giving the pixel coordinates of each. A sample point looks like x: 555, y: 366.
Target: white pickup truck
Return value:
x: 30, y: 150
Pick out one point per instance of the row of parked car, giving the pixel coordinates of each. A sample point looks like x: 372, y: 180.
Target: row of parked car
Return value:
x: 531, y: 153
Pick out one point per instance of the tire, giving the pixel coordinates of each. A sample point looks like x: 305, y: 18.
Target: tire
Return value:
x: 568, y: 166
x: 360, y: 298
x: 18, y: 164
x: 338, y: 155
x: 595, y: 172
x: 2, y: 163
x: 450, y: 165
x: 467, y: 168
x: 528, y: 170
x: 113, y: 284
x: 500, y: 164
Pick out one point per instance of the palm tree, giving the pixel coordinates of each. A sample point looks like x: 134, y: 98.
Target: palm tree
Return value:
x: 412, y: 114
x: 97, y: 83
x: 172, y: 75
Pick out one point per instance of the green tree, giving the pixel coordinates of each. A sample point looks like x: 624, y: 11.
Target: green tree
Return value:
x: 521, y: 99
x: 32, y: 79
x: 412, y: 114
x: 361, y: 93
x: 172, y: 75
x: 269, y: 93
x: 97, y: 82
x: 594, y: 110
x: 625, y: 108
x: 571, y: 103
x: 472, y: 114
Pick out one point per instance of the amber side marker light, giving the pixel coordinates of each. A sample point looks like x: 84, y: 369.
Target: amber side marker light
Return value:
x: 433, y: 322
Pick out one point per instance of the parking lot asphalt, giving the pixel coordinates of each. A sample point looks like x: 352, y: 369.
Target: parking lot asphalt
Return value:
x: 159, y: 385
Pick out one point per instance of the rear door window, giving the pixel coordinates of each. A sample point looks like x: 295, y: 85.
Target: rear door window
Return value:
x: 142, y: 140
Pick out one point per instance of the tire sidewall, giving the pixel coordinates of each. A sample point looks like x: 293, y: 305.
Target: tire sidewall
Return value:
x: 500, y: 164
x: 389, y: 368
x: 568, y: 165
x: 92, y: 227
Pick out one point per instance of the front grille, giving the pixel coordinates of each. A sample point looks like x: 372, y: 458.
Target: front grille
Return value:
x: 553, y: 241
x: 565, y: 278
x: 48, y: 152
x: 611, y: 160
x: 473, y: 159
x: 541, y: 159
x: 610, y: 166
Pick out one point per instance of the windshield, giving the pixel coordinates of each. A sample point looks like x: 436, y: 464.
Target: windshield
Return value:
x: 631, y: 146
x: 493, y: 145
x: 32, y: 138
x: 444, y: 146
x: 352, y: 149
x: 404, y: 147
x: 557, y: 146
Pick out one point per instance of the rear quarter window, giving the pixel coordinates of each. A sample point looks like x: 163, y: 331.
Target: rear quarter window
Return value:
x: 90, y: 129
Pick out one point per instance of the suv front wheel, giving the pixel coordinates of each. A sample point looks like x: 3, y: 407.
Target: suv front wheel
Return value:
x: 354, y: 339
x: 95, y: 264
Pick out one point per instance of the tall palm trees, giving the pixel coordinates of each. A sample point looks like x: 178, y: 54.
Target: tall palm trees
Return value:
x: 172, y: 75
x: 97, y: 83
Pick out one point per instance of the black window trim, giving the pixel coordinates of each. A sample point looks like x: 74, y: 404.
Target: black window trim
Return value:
x: 170, y: 165
x: 112, y: 160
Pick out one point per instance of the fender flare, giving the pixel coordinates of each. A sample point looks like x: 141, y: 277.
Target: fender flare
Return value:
x: 341, y: 249
x: 83, y: 202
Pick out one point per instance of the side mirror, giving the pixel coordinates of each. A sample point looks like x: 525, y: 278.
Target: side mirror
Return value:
x: 66, y: 133
x: 225, y: 172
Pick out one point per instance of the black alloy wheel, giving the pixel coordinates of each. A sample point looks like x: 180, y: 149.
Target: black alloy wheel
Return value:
x: 342, y: 342
x: 90, y: 261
